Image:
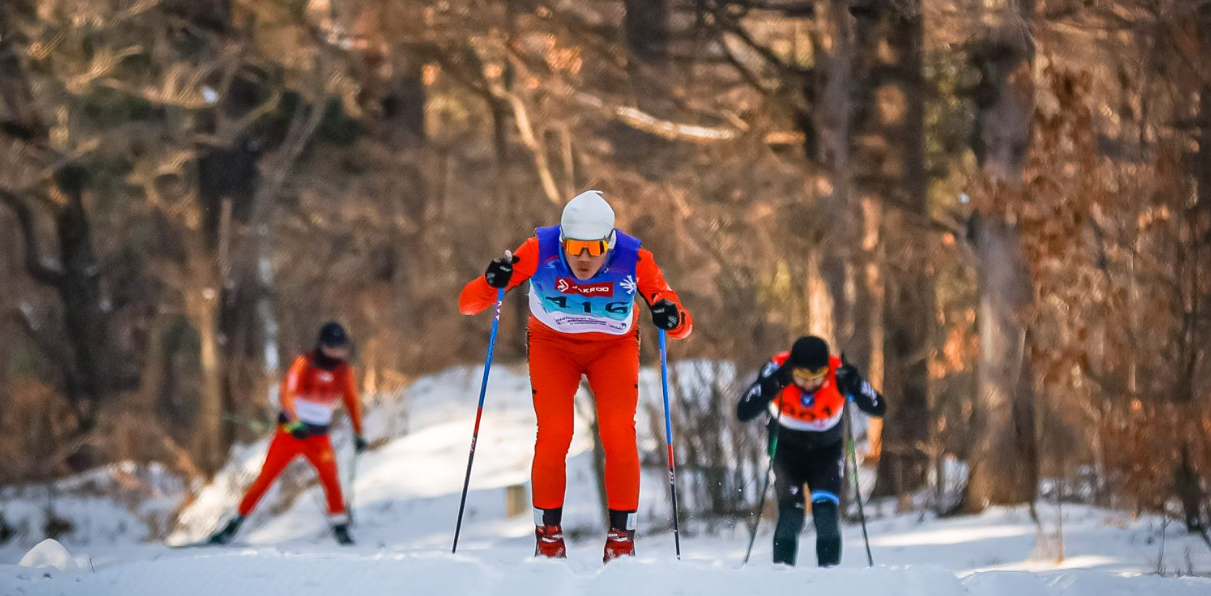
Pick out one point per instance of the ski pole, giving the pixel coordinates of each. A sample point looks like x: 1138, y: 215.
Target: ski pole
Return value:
x: 256, y: 426
x: 350, y: 484
x: 483, y: 389
x: 668, y: 433
x: 853, y: 455
x: 773, y: 451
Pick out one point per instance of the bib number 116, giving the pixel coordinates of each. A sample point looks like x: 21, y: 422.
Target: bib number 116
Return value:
x: 616, y: 308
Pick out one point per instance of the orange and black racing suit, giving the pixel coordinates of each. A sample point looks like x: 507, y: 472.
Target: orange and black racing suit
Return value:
x: 810, y: 450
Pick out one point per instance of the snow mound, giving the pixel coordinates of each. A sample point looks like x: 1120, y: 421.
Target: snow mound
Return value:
x: 49, y: 553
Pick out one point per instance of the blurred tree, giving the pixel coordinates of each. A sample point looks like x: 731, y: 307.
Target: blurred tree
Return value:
x: 1004, y: 457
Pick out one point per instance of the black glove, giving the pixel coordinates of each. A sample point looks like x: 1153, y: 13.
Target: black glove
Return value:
x: 297, y: 429
x: 359, y: 444
x: 500, y: 270
x: 775, y: 380
x: 665, y: 315
x: 849, y: 379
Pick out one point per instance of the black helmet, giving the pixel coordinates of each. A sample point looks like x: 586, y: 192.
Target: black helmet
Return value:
x: 809, y: 352
x: 333, y: 335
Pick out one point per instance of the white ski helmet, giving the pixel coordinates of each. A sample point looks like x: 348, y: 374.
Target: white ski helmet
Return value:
x: 587, y: 217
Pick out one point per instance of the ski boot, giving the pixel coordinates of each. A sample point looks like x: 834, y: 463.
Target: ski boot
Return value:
x: 619, y: 543
x: 548, y: 542
x: 228, y: 532
x: 341, y: 532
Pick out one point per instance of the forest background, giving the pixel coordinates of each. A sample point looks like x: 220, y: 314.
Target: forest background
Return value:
x: 999, y: 209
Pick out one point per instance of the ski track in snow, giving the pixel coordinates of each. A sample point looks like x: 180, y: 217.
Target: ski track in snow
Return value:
x: 407, y: 498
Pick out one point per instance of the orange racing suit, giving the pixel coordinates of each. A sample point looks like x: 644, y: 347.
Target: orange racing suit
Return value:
x: 558, y: 358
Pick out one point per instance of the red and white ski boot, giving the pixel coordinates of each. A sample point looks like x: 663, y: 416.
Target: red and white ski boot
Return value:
x: 548, y: 542
x: 619, y: 543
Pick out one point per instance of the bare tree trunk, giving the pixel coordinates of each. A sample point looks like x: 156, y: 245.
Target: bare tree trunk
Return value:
x: 275, y: 171
x: 227, y: 179
x: 514, y: 212
x: 1004, y: 455
x: 645, y: 27
x: 209, y: 446
x: 270, y: 343
x: 1189, y: 492
x: 837, y: 260
x: 821, y: 305
x: 869, y: 337
x: 90, y: 371
x: 1187, y: 482
x: 1004, y: 459
x: 404, y: 105
x: 889, y: 142
x: 204, y: 270
x: 1202, y: 163
x: 81, y: 295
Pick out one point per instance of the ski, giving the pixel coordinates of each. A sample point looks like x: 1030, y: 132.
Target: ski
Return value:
x: 195, y: 544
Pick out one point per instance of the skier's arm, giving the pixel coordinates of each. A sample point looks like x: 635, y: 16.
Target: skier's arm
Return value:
x: 654, y: 288
x: 858, y: 390
x: 478, y: 295
x: 769, y: 383
x: 290, y: 387
x: 869, y: 400
x: 353, y: 403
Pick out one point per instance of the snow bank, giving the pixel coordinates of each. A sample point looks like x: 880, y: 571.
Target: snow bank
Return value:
x: 427, y: 429
x: 119, y: 504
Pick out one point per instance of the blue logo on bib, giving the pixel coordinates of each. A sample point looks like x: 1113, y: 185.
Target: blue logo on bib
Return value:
x: 806, y: 399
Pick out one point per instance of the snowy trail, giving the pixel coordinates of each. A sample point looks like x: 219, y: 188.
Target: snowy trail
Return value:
x: 407, y: 497
x: 260, y: 571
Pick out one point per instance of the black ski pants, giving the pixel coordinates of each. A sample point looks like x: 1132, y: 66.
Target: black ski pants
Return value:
x: 820, y: 468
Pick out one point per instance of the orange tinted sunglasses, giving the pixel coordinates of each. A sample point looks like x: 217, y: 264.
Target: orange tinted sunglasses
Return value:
x: 596, y: 248
x: 807, y: 376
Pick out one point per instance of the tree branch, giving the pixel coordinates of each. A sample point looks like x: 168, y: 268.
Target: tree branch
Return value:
x: 39, y: 270
x: 277, y: 166
x: 729, y: 25
x: 528, y: 138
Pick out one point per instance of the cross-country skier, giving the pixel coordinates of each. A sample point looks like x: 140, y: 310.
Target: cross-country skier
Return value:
x: 584, y: 277
x: 313, y: 387
x: 809, y: 387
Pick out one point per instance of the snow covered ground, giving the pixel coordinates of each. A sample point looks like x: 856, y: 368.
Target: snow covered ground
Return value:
x: 118, y: 504
x: 406, y: 499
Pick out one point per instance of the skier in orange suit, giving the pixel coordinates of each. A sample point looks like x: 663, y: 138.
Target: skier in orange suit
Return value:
x: 315, y: 385
x: 584, y: 277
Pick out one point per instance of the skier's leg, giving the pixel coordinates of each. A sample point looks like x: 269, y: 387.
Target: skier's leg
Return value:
x: 613, y: 372
x: 282, y: 449
x: 614, y: 378
x: 554, y: 377
x: 825, y: 467
x: 788, y: 489
x: 828, y: 532
x: 318, y: 450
